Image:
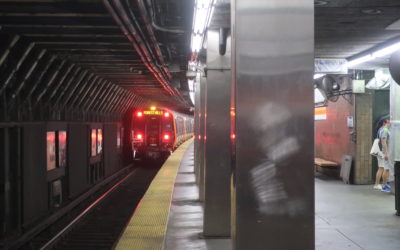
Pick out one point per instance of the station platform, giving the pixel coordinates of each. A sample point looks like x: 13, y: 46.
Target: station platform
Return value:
x: 347, y: 216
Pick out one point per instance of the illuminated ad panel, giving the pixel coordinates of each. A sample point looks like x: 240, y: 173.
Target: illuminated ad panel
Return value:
x: 320, y: 113
x: 51, y: 150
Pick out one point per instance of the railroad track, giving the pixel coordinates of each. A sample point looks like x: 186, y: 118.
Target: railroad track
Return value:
x: 100, y: 224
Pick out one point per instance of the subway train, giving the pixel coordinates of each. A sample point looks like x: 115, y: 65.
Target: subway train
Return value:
x: 55, y: 165
x: 156, y: 132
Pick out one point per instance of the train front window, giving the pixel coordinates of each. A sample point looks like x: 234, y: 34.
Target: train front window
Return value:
x: 153, y: 130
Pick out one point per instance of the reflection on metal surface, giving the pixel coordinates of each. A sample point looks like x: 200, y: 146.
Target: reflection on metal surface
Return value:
x: 273, y: 64
x: 217, y: 167
x: 202, y: 135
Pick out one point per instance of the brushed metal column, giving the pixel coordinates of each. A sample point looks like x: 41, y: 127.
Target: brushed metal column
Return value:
x: 197, y: 130
x: 272, y: 70
x: 218, y: 154
x: 203, y: 135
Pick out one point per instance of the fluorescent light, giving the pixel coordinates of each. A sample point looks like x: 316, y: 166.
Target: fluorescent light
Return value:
x: 360, y: 60
x: 379, y: 53
x: 202, y: 15
x: 387, y: 51
x: 316, y: 76
x: 200, y: 20
x: 197, y: 42
x: 203, y: 3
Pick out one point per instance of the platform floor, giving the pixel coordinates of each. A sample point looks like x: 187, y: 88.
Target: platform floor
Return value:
x: 347, y: 216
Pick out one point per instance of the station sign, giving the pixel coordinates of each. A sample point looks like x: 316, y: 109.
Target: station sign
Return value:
x: 328, y: 65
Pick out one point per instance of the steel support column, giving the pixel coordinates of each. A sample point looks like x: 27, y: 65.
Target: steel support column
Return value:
x: 202, y: 135
x: 394, y: 142
x: 197, y: 130
x: 272, y: 73
x: 217, y: 145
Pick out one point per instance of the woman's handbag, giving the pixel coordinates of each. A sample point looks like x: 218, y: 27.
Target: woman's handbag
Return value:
x: 375, y: 150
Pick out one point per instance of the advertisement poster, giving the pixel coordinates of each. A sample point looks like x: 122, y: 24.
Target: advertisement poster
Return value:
x: 99, y: 141
x: 62, y: 148
x: 93, y: 142
x: 51, y: 150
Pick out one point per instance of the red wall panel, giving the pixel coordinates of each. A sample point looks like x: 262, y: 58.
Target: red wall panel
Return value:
x: 332, y: 136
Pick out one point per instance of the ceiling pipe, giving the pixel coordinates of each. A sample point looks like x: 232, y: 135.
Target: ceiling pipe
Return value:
x: 144, y: 15
x: 156, y: 26
x: 122, y: 19
x: 132, y: 34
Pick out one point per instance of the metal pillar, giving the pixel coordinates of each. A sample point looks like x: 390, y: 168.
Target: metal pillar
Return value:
x: 394, y: 142
x: 197, y: 130
x: 396, y: 185
x: 272, y: 72
x: 202, y: 135
x: 217, y: 145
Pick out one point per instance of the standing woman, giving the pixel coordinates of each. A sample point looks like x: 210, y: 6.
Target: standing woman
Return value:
x: 383, y: 161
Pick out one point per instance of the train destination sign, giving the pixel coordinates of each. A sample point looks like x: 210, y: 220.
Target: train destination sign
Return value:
x: 153, y: 112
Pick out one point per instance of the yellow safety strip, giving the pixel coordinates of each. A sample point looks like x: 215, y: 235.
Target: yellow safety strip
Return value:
x: 148, y: 226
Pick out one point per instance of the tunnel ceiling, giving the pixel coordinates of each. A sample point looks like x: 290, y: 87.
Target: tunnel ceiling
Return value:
x: 113, y: 40
x: 344, y: 28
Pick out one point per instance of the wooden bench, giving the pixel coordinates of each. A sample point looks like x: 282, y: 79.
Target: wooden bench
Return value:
x: 326, y: 167
x: 325, y: 163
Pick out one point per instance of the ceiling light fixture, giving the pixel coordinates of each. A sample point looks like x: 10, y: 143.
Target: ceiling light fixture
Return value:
x: 387, y: 51
x: 202, y: 16
x: 378, y: 53
x: 360, y: 60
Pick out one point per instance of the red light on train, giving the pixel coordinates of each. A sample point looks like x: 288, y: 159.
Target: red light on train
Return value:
x: 166, y: 137
x: 139, y: 114
x: 139, y: 137
x: 166, y: 114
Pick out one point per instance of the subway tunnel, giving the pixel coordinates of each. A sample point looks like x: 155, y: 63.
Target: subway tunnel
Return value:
x: 199, y: 124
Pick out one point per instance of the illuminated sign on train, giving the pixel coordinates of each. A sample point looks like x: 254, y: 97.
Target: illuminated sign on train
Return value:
x: 153, y: 112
